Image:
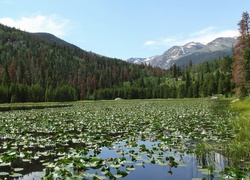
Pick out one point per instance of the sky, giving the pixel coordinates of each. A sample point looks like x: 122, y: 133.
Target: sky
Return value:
x: 127, y: 28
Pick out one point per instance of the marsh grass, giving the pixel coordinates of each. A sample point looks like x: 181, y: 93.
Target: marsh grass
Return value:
x: 239, y: 148
x: 242, y: 123
x: 204, y: 152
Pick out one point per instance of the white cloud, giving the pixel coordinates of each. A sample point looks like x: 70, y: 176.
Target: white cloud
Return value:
x: 149, y: 43
x: 51, y: 24
x: 208, y: 34
x: 203, y: 36
x: 203, y: 31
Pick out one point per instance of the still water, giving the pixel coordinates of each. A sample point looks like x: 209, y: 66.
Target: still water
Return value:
x: 187, y: 169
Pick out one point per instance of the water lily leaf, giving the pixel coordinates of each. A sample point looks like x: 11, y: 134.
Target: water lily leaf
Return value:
x: 5, y: 164
x: 115, y: 165
x: 205, y: 171
x: 46, y: 164
x: 89, y: 175
x: 16, y: 175
x: 93, y: 165
x: 95, y: 159
x: 123, y: 173
x: 117, y: 176
x: 4, y: 173
x: 104, y: 172
x: 138, y: 158
x: 146, y: 160
x: 18, y: 169
x: 130, y: 168
x: 182, y: 165
x: 129, y: 162
x: 139, y: 164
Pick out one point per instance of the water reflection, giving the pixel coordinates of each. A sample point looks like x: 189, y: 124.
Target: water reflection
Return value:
x: 144, y: 168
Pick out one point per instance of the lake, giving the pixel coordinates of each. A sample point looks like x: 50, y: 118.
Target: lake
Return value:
x: 136, y: 139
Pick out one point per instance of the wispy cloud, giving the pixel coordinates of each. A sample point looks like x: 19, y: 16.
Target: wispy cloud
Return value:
x: 210, y: 33
x: 150, y: 43
x: 52, y: 24
x: 204, y: 36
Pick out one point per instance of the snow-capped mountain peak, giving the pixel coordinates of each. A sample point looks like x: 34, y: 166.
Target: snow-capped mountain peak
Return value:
x: 169, y: 57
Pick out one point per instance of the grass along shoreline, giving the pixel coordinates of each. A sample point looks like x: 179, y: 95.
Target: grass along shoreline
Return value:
x: 237, y: 151
x: 239, y: 148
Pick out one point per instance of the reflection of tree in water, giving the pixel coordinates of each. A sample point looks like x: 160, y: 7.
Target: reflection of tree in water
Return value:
x: 170, y: 172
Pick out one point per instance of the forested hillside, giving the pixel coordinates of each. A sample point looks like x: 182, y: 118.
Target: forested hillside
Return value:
x: 35, y: 69
x: 226, y: 76
x: 39, y: 67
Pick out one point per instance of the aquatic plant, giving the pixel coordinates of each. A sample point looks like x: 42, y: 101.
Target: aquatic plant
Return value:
x: 69, y: 142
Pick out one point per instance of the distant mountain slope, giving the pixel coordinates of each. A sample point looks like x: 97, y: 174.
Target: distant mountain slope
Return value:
x: 53, y: 38
x: 42, y: 67
x: 141, y: 60
x: 196, y: 52
x: 198, y: 58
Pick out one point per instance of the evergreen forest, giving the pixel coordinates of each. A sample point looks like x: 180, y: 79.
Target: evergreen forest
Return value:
x: 36, y: 69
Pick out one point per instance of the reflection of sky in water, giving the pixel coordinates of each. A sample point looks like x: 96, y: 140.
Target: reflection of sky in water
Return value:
x: 154, y: 171
x: 149, y: 170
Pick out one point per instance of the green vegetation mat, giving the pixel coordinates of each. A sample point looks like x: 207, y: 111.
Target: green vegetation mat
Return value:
x: 111, y: 139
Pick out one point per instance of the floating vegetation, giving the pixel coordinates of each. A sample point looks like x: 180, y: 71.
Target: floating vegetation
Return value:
x: 110, y: 139
x: 25, y: 106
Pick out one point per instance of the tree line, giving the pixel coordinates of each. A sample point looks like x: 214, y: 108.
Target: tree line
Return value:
x: 227, y: 76
x: 202, y: 80
x: 34, y: 69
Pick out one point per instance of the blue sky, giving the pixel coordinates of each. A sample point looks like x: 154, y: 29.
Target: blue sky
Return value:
x: 127, y: 28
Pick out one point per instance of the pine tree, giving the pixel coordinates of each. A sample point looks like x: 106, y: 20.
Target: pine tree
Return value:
x: 195, y: 89
x: 246, y: 63
x: 181, y: 91
x: 188, y: 82
x: 238, y: 67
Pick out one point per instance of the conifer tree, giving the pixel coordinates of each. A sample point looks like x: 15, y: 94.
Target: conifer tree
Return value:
x: 246, y: 63
x: 239, y: 77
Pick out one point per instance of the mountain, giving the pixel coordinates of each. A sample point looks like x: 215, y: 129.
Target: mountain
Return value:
x: 194, y: 51
x: 141, y: 60
x: 41, y: 67
x: 53, y: 38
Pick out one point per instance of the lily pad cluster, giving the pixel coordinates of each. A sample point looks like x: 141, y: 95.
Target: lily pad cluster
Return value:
x: 69, y: 142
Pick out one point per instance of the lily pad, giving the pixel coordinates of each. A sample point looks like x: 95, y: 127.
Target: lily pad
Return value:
x: 115, y: 165
x: 26, y: 160
x: 4, y: 173
x: 5, y: 164
x: 118, y: 176
x: 205, y: 171
x: 16, y: 175
x: 130, y: 168
x: 139, y: 164
x: 18, y: 169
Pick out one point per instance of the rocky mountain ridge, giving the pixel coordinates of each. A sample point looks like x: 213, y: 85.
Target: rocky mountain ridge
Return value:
x: 219, y: 47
